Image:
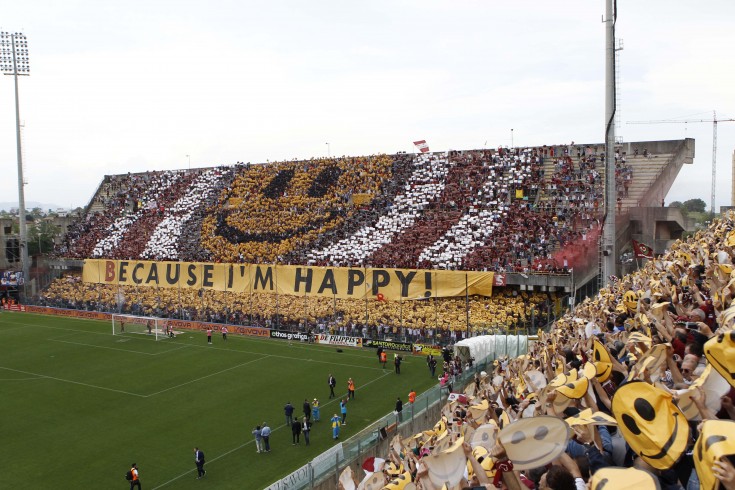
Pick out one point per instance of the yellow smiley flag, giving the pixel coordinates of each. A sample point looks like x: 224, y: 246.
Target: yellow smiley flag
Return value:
x: 535, y: 441
x: 586, y: 417
x: 614, y: 478
x: 479, y: 411
x: 401, y: 482
x: 650, y: 423
x: 714, y: 387
x: 574, y: 390
x: 602, y: 361
x: 653, y: 361
x: 716, y: 440
x: 485, y: 436
x: 720, y: 351
x: 448, y: 466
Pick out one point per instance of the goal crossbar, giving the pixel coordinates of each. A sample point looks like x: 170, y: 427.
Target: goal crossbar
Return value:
x: 142, y: 325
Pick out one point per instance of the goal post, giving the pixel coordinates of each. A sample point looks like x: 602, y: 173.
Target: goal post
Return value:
x: 140, y: 325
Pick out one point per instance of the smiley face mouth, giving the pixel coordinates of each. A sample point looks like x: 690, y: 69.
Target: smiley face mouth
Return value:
x: 555, y: 451
x: 669, y: 443
x: 723, y: 369
x: 235, y: 235
x: 605, y: 374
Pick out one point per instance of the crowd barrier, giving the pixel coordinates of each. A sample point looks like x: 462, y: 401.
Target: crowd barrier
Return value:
x: 323, y: 471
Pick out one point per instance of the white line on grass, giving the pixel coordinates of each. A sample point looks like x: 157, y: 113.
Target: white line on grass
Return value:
x: 205, y: 377
x: 210, y: 347
x: 103, y: 347
x: 73, y: 382
x: 121, y: 350
x: 9, y: 329
x: 252, y: 441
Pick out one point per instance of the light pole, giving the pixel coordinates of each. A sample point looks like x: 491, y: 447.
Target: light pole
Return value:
x: 14, y: 61
x: 188, y: 157
x: 329, y: 151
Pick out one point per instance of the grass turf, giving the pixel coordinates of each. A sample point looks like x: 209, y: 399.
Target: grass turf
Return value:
x: 79, y: 404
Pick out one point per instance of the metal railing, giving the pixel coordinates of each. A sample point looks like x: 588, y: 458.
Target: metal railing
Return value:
x: 327, y: 466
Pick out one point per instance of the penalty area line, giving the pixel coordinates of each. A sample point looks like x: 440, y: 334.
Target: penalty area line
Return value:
x: 73, y: 382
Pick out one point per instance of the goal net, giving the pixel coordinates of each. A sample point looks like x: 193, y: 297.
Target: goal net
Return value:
x: 141, y: 325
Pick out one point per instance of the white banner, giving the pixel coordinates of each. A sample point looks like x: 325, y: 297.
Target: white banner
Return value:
x: 339, y: 340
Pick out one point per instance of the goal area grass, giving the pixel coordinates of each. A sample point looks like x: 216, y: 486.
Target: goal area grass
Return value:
x: 80, y: 404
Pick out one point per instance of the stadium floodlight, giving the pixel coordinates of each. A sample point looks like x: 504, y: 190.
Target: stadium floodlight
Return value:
x: 14, y: 61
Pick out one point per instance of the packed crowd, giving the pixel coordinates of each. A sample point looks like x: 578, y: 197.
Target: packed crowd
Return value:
x: 632, y: 389
x: 507, y: 309
x: 146, y: 215
x: 503, y: 210
x: 175, y: 236
x: 272, y: 210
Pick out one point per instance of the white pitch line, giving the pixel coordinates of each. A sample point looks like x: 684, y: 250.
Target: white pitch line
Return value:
x: 73, y: 382
x: 3, y: 330
x: 252, y: 441
x: 118, y: 349
x: 209, y: 347
x: 205, y: 377
x: 102, y: 347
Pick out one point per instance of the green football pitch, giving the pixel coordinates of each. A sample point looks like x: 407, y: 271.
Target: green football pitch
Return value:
x: 79, y: 405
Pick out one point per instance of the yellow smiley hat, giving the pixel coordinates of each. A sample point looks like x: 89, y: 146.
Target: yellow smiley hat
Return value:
x: 535, y: 441
x: 716, y: 440
x: 602, y: 361
x: 615, y: 478
x: 720, y: 351
x: 650, y: 423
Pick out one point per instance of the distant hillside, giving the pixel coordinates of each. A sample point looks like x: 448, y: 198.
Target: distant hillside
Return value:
x: 6, y: 206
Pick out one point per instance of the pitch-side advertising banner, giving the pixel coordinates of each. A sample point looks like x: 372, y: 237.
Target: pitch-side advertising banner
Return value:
x: 332, y: 282
x: 339, y: 340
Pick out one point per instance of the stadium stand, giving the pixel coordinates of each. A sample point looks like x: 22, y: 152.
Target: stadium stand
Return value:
x: 529, y: 210
x: 507, y: 310
x: 503, y: 210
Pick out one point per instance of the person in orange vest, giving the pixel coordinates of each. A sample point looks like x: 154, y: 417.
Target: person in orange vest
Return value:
x: 350, y: 389
x: 412, y: 397
x: 383, y: 358
x: 135, y: 482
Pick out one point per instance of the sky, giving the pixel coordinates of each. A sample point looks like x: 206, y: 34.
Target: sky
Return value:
x: 131, y: 86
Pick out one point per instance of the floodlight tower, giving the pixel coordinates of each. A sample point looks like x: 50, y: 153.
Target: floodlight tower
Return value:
x: 14, y: 61
x: 609, y: 256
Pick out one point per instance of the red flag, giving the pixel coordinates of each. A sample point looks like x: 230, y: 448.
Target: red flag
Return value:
x: 421, y: 145
x: 642, y: 251
x: 372, y: 464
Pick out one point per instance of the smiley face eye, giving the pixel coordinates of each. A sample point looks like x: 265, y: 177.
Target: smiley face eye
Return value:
x: 326, y: 179
x: 541, y: 433
x: 598, y: 357
x: 518, y: 437
x: 713, y: 440
x: 644, y: 409
x: 631, y: 424
x: 278, y: 184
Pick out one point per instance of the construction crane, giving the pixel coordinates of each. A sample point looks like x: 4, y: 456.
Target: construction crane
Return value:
x: 714, y: 122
